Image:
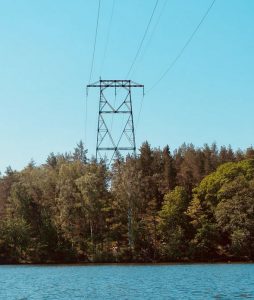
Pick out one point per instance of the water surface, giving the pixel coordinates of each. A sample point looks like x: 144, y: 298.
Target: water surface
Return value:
x: 197, y: 281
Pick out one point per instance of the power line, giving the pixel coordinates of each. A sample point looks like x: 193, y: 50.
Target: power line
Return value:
x: 95, y: 39
x: 85, y: 138
x: 156, y: 24
x: 154, y: 29
x: 108, y: 34
x: 139, y: 113
x: 183, y: 48
x: 144, y: 52
x: 106, y: 49
x: 92, y: 63
x: 143, y: 38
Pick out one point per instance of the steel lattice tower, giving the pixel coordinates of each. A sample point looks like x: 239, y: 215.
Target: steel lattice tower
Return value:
x: 107, y: 141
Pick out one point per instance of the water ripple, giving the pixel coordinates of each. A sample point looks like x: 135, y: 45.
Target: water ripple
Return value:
x: 219, y: 281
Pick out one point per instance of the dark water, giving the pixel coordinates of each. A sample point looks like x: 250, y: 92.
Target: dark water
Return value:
x: 219, y: 281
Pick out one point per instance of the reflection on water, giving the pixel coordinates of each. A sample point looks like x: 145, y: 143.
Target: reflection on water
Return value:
x: 204, y: 281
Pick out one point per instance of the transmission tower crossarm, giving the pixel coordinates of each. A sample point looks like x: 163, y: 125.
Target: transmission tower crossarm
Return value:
x: 115, y: 83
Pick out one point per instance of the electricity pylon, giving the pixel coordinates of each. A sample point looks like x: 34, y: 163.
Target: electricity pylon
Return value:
x: 115, y: 104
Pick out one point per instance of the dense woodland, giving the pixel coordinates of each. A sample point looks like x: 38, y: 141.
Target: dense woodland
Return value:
x: 194, y: 204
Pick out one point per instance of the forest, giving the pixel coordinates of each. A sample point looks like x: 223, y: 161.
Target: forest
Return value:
x: 193, y: 204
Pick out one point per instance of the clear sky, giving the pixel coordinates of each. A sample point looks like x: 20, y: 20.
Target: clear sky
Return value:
x: 45, y: 58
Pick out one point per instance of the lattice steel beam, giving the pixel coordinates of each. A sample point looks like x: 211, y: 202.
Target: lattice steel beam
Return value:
x: 106, y: 141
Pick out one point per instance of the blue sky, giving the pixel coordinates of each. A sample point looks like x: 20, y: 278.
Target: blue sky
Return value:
x: 45, y: 58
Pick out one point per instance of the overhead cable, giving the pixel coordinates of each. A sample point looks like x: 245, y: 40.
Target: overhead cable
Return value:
x: 154, y: 29
x: 145, y: 50
x: 143, y: 38
x: 108, y: 35
x: 92, y: 63
x: 95, y: 40
x: 183, y: 48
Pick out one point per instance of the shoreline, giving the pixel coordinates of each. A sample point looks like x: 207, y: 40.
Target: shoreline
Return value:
x: 128, y: 264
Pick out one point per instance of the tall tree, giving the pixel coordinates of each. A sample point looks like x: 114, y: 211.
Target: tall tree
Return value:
x: 175, y: 229
x: 169, y: 170
x: 80, y: 153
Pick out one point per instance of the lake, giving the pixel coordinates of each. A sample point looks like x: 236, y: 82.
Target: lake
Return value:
x: 195, y: 281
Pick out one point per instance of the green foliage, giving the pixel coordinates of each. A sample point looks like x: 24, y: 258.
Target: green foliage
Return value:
x: 174, y: 225
x: 192, y: 204
x: 15, y: 239
x: 222, y: 211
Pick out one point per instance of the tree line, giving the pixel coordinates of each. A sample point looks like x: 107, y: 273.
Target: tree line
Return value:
x: 194, y: 204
